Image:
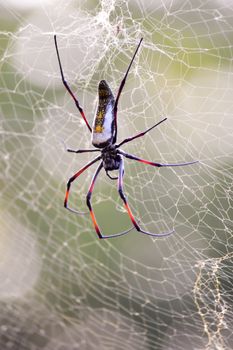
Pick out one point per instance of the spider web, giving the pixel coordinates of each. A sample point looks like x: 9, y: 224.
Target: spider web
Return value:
x: 61, y: 287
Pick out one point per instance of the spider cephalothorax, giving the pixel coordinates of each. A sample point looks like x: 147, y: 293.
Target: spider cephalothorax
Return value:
x: 111, y: 158
x: 104, y: 137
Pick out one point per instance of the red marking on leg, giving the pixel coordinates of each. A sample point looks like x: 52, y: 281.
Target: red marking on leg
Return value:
x: 85, y: 119
x: 131, y: 216
x: 95, y: 224
x: 148, y: 162
x: 91, y: 187
x: 66, y: 198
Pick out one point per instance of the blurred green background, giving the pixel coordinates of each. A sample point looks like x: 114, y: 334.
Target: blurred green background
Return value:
x: 61, y: 287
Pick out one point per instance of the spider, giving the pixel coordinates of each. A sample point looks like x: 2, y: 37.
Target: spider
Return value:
x: 104, y: 138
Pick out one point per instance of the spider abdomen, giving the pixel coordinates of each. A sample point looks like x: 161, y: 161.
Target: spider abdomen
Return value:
x: 103, y: 126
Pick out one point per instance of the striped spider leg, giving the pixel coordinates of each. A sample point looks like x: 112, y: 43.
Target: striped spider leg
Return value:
x: 67, y: 86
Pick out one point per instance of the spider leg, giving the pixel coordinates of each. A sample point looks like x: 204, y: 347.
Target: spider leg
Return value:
x: 130, y: 156
x: 140, y: 134
x: 111, y: 177
x: 89, y: 194
x: 122, y: 84
x: 122, y: 195
x: 70, y: 182
x: 68, y: 88
x: 79, y: 150
x: 82, y: 150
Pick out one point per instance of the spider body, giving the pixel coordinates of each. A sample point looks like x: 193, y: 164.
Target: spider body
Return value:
x: 111, y: 157
x: 103, y: 125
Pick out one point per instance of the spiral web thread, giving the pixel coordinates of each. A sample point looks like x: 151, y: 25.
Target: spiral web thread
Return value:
x: 61, y: 287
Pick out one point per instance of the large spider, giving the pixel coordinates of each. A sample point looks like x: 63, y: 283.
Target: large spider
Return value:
x: 104, y: 137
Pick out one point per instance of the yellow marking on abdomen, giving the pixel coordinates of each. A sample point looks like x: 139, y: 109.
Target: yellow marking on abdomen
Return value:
x: 99, y: 121
x: 99, y: 129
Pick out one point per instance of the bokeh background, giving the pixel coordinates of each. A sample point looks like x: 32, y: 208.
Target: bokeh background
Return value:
x: 60, y: 287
